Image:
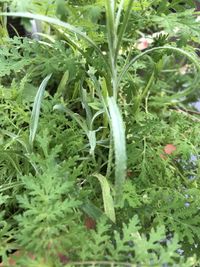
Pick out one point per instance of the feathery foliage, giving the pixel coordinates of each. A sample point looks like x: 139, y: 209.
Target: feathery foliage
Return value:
x: 99, y: 158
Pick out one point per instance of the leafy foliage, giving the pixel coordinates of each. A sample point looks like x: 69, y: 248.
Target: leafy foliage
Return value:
x: 98, y: 187
x: 129, y: 244
x: 48, y: 205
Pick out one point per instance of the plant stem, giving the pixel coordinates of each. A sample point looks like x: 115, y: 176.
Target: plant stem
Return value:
x: 110, y: 156
x: 112, y: 43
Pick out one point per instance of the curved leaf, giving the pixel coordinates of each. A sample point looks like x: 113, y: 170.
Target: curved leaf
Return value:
x: 107, y: 197
x: 190, y: 56
x: 36, y: 109
x: 60, y: 23
x: 118, y: 132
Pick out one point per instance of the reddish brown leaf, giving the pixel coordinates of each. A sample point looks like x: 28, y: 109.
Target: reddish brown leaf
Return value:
x: 63, y: 259
x: 129, y: 173
x: 89, y: 223
x: 12, y: 259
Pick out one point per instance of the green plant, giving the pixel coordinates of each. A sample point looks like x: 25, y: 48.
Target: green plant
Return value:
x: 90, y: 143
x: 115, y: 35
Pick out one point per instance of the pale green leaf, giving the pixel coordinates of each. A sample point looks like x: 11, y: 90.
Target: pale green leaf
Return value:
x: 107, y: 197
x: 118, y: 131
x: 92, y: 141
x: 63, y: 83
x: 36, y: 109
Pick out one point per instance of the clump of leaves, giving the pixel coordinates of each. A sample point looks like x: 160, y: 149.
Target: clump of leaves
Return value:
x: 110, y: 139
x: 128, y: 245
x: 49, y: 207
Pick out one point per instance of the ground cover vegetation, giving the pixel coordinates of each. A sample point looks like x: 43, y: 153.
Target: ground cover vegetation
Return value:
x: 99, y: 143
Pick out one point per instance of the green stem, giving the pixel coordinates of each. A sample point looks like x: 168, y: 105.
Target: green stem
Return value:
x: 123, y: 28
x: 112, y: 43
x: 110, y: 156
x: 118, y: 16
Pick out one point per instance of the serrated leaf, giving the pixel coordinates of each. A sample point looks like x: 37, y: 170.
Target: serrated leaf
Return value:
x: 59, y: 23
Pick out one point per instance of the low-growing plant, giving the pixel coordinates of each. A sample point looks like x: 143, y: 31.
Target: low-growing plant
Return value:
x: 99, y: 143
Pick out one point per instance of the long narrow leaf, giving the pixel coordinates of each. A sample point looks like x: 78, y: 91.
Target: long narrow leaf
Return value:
x: 76, y: 117
x: 107, y: 197
x: 60, y: 23
x: 17, y: 138
x: 119, y: 148
x: 119, y: 12
x: 101, y: 111
x: 36, y: 109
x: 62, y: 84
x: 123, y: 27
x: 91, y: 210
x: 10, y: 156
x: 51, y: 20
x: 82, y: 123
x: 190, y: 56
x: 112, y: 38
x: 110, y: 16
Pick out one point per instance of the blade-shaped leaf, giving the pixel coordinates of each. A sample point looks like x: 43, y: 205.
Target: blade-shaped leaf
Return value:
x: 107, y: 197
x: 110, y: 19
x: 36, y: 109
x: 118, y: 132
x: 123, y: 26
x: 59, y: 23
x: 82, y: 123
x: 92, y: 141
x: 91, y: 210
x: 193, y: 58
x: 76, y: 117
x: 119, y: 12
x: 62, y: 84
